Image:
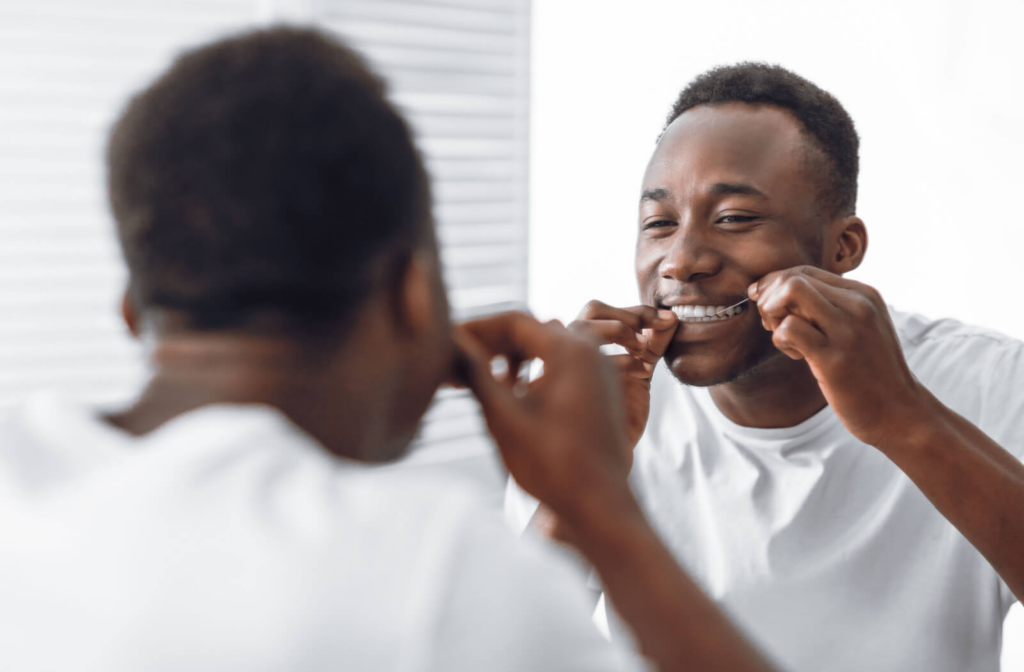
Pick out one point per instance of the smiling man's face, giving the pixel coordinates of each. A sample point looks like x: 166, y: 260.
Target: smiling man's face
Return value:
x: 728, y: 196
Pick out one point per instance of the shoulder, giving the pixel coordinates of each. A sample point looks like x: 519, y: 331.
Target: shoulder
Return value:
x: 921, y: 334
x: 947, y: 351
x: 977, y: 372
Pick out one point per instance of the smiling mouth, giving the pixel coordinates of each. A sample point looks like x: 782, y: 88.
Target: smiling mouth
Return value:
x: 693, y: 313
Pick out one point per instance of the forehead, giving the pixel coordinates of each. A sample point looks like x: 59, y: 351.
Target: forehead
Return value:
x: 760, y: 145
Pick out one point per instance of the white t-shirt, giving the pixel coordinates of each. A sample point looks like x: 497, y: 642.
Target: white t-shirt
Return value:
x: 816, y: 544
x: 228, y: 540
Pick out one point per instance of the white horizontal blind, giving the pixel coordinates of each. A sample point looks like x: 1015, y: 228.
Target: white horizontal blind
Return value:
x: 459, y: 70
x: 66, y: 69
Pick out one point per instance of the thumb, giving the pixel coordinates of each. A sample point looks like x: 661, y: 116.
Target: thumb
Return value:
x: 660, y: 337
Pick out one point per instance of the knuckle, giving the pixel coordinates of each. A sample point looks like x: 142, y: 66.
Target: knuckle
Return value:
x: 798, y: 285
x: 578, y: 325
x: 874, y: 295
x: 592, y: 308
x: 863, y: 308
x: 646, y: 313
x: 624, y: 331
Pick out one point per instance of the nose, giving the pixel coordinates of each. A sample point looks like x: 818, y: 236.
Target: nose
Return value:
x: 691, y: 257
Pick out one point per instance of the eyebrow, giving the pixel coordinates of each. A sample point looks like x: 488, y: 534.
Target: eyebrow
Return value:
x: 730, y: 188
x: 658, y: 194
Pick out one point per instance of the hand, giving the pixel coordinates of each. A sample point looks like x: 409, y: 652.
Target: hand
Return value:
x: 560, y: 435
x: 842, y: 329
x: 645, y: 332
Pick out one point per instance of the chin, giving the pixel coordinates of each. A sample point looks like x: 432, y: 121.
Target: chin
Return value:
x: 698, y: 374
x: 698, y: 369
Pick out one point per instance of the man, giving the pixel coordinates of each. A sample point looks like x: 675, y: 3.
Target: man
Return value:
x: 274, y: 217
x: 817, y: 470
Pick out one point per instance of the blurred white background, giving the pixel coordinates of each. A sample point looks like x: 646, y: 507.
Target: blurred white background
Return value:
x: 936, y: 89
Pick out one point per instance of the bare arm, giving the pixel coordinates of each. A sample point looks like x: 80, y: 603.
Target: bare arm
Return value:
x: 562, y: 439
x: 843, y: 330
x: 976, y: 484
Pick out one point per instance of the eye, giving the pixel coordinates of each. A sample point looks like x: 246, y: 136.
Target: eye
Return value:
x: 736, y: 219
x: 658, y: 224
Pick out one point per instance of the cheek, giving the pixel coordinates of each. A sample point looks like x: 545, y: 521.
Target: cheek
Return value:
x: 646, y: 264
x: 758, y: 256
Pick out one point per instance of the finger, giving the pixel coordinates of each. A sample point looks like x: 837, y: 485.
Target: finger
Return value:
x: 604, y: 332
x: 630, y: 366
x: 513, y: 334
x: 657, y: 319
x: 859, y: 301
x: 798, y: 295
x: 860, y: 304
x: 814, y: 272
x: 798, y: 338
x: 827, y: 277
x: 845, y: 293
x: 495, y: 399
x: 637, y: 317
x: 658, y: 340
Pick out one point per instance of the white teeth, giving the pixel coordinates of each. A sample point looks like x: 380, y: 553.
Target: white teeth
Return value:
x: 691, y: 313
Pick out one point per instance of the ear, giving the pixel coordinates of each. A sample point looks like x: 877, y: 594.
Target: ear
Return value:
x: 130, y: 315
x: 420, y: 294
x: 847, y: 244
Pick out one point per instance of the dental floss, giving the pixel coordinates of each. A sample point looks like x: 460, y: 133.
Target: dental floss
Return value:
x: 719, y: 312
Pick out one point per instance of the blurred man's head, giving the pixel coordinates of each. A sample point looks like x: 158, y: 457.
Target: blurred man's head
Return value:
x: 265, y: 187
x: 755, y: 171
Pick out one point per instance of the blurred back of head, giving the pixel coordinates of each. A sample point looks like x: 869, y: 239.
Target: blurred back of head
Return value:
x: 263, y: 174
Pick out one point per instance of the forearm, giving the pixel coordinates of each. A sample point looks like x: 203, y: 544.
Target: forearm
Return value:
x: 976, y: 484
x: 676, y: 625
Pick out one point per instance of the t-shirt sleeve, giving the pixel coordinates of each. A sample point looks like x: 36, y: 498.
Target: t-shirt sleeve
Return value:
x: 517, y: 605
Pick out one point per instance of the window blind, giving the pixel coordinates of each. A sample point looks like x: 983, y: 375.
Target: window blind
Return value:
x: 457, y: 68
x: 459, y: 72
x: 66, y: 69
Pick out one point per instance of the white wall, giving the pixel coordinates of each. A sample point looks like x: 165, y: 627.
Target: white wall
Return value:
x: 936, y: 90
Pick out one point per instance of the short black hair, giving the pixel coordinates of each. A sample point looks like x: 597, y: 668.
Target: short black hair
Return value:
x: 822, y: 116
x: 263, y: 172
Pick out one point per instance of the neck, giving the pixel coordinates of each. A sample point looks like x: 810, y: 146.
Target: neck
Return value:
x: 780, y: 392
x: 195, y: 370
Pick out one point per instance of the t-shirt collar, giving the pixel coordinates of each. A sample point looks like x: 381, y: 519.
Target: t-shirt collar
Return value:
x: 813, y: 426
